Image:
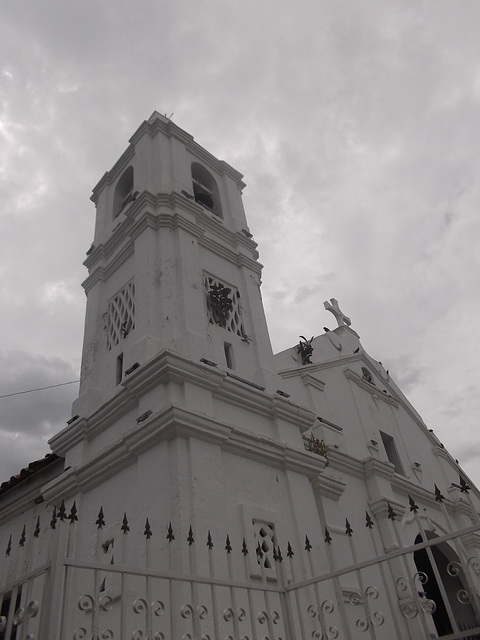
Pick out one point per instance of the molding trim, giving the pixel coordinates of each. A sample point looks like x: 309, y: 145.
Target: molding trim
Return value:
x: 175, y: 422
x: 370, y: 388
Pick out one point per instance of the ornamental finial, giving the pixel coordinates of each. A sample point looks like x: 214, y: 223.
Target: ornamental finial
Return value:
x: 333, y: 307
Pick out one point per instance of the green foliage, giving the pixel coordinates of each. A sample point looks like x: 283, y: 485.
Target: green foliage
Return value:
x: 315, y: 445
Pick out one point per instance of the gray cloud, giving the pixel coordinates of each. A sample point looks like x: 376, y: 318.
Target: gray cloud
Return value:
x: 355, y: 125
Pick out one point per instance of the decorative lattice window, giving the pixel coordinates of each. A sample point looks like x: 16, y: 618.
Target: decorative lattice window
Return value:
x: 264, y: 535
x: 223, y: 305
x: 120, y: 316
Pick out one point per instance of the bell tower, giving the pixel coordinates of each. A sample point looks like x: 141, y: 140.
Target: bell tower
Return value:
x: 172, y: 269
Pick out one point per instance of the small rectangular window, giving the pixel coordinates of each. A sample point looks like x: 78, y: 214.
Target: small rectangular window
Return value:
x: 229, y: 355
x: 119, y: 369
x: 392, y: 453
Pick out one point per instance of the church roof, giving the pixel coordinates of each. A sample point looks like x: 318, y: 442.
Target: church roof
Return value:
x: 26, y: 473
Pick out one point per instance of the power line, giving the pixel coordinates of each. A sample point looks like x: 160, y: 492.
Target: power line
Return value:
x: 18, y: 393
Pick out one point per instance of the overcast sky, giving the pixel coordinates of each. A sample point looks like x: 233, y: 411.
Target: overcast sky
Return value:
x: 356, y: 125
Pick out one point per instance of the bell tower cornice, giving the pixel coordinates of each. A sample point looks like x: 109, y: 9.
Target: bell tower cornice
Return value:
x: 160, y: 124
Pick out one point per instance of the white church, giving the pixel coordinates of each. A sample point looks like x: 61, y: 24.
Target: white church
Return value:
x: 204, y: 488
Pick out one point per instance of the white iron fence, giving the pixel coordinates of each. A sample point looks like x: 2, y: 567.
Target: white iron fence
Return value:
x: 182, y: 587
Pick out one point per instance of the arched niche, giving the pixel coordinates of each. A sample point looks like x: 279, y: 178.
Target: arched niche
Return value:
x: 123, y: 191
x: 205, y: 189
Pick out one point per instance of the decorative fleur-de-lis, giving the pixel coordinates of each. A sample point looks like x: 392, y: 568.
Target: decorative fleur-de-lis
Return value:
x: 328, y: 537
x: 308, y: 546
x: 36, y: 532
x: 244, y: 548
x: 100, y: 521
x: 228, y: 546
x: 348, y: 529
x: 9, y: 546
x: 464, y: 488
x: 290, y: 553
x: 413, y: 505
x: 53, y: 521
x: 279, y: 554
x: 369, y: 521
x: 209, y: 540
x: 438, y: 495
x: 125, y: 528
x: 23, y: 537
x: 170, y: 535
x: 72, y: 516
x: 148, y: 530
x: 391, y: 513
x: 62, y: 512
x: 190, y: 538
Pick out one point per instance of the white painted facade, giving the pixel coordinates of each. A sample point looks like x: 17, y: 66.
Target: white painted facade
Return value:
x: 205, y: 488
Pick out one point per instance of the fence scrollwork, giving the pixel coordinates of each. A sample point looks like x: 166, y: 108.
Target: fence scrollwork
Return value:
x: 229, y: 614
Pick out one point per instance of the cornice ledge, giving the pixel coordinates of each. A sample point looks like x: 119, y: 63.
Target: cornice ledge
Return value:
x: 219, y: 249
x: 181, y: 222
x: 220, y: 166
x: 98, y: 275
x: 379, y: 507
x: 440, y: 451
x: 278, y: 454
x: 86, y: 428
x: 286, y: 410
x: 21, y: 499
x: 62, y: 487
x: 344, y: 462
x: 147, y: 220
x: 250, y: 263
x: 303, y: 369
x: 404, y: 486
x: 246, y: 242
x: 144, y: 199
x: 103, y: 251
x: 367, y: 386
x: 329, y: 486
x: 68, y: 437
x: 96, y: 254
x: 233, y: 173
x: 304, y: 462
x: 158, y: 122
x: 311, y: 381
x: 126, y: 220
x: 122, y: 256
x: 241, y: 394
x: 168, y: 366
x: 176, y: 422
x: 378, y: 468
x: 180, y: 201
x: 461, y: 508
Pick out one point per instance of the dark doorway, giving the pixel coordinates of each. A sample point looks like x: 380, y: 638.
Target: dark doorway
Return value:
x: 455, y: 587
